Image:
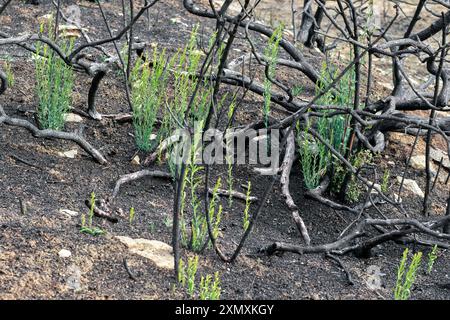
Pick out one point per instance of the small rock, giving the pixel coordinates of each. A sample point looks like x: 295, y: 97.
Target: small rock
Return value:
x: 69, y: 31
x: 136, y: 160
x: 68, y: 212
x: 411, y: 186
x: 74, y: 280
x: 418, y: 162
x: 437, y: 155
x: 160, y: 253
x: 72, y: 117
x: 68, y: 154
x: 314, y: 296
x: 56, y: 174
x: 63, y: 253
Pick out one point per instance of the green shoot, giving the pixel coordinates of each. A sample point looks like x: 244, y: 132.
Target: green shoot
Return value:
x: 432, y: 256
x: 405, y: 279
x: 87, y: 227
x: 246, y: 220
x: 148, y: 87
x: 9, y: 74
x: 191, y: 272
x: 131, y: 217
x: 209, y: 289
x: 271, y: 54
x: 385, y: 182
x: 297, y: 90
x: 54, y: 84
x: 314, y: 157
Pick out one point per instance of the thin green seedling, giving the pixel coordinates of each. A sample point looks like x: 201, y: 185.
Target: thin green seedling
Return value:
x: 168, y: 221
x: 9, y: 74
x: 432, y: 256
x: 246, y: 218
x: 191, y: 272
x: 385, y: 181
x: 297, y: 90
x: 406, y: 278
x: 131, y: 215
x: 87, y: 227
x: 209, y: 288
x: 314, y: 157
x: 271, y: 55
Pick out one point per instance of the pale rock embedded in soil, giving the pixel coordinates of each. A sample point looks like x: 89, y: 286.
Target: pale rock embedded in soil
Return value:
x: 412, y: 186
x: 160, y: 253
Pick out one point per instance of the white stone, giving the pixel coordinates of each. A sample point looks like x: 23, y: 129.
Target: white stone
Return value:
x: 72, y: 117
x: 136, y: 160
x: 437, y: 155
x: 412, y: 186
x: 160, y: 253
x: 68, y: 154
x: 64, y: 253
x: 68, y: 212
x: 418, y: 162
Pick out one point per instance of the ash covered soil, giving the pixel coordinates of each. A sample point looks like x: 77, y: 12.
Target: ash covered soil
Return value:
x: 33, y: 173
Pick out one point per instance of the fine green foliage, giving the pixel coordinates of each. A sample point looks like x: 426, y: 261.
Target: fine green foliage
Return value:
x: 209, y: 288
x: 87, y: 227
x: 271, y: 54
x: 354, y: 190
x: 168, y: 221
x: 246, y: 220
x: 215, y: 217
x: 186, y: 63
x: 314, y: 157
x: 229, y: 156
x: 9, y: 73
x: 54, y: 84
x: 131, y: 216
x: 385, y: 181
x: 148, y: 88
x: 334, y: 128
x: 193, y: 180
x: 191, y: 272
x: 432, y: 256
x: 297, y: 90
x: 198, y: 235
x: 187, y: 274
x: 196, y: 238
x: 406, y: 278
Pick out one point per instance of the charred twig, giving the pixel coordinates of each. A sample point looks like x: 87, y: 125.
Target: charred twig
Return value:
x: 138, y: 175
x: 339, y: 262
x: 101, y: 213
x: 127, y: 268
x: 233, y: 193
x: 284, y: 180
x: 53, y: 134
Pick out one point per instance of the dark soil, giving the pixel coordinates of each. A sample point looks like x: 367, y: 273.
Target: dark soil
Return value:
x: 30, y: 267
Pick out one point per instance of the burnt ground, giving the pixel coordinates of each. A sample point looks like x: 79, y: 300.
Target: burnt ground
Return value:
x: 30, y: 267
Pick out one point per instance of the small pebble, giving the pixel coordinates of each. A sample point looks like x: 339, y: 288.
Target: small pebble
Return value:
x: 63, y: 253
